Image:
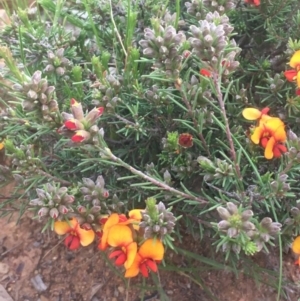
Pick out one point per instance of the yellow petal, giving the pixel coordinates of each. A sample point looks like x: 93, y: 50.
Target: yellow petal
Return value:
x: 251, y: 113
x: 131, y: 251
x: 296, y: 245
x: 280, y: 134
x: 133, y: 270
x: 295, y: 59
x: 63, y: 227
x: 86, y: 237
x: 269, y: 148
x: 119, y: 236
x: 112, y: 220
x: 135, y: 214
x: 256, y: 136
x: 152, y: 248
x: 1, y: 145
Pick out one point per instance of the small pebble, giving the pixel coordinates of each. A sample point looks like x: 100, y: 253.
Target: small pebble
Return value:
x: 4, y: 268
x: 38, y: 283
x: 121, y: 289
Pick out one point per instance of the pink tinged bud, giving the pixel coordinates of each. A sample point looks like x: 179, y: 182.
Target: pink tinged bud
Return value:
x: 81, y: 136
x: 43, y: 211
x: 81, y: 209
x: 105, y: 194
x: 54, y: 213
x: 63, y: 209
x: 86, y: 226
x: 67, y: 116
x: 77, y: 110
x: 69, y: 198
x: 94, y: 114
x: 73, y: 125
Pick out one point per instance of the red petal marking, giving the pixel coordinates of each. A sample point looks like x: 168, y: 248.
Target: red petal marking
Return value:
x: 205, y: 72
x: 122, y: 218
x: 77, y: 138
x: 278, y: 150
x: 297, y: 92
x: 144, y: 270
x: 100, y: 110
x: 151, y: 264
x: 72, y: 242
x: 120, y: 257
x: 70, y: 125
x: 290, y: 75
x: 265, y: 111
x: 73, y: 101
x: 264, y: 141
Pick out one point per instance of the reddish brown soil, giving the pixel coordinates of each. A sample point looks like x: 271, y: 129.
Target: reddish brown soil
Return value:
x: 86, y: 275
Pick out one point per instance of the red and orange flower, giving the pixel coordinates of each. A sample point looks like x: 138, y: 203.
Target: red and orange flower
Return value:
x: 293, y: 75
x: 149, y: 254
x: 269, y: 132
x: 253, y: 2
x: 76, y: 236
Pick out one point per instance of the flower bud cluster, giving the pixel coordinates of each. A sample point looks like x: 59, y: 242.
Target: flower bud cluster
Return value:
x: 57, y: 63
x: 211, y: 38
x: 164, y: 46
x: 38, y: 96
x: 185, y: 167
x: 279, y: 186
x: 106, y: 93
x: 276, y: 83
x: 295, y: 219
x: 78, y: 126
x: 96, y: 197
x: 53, y: 202
x: 157, y: 221
x: 219, y: 169
x: 195, y: 8
x: 265, y: 231
x: 221, y: 6
x: 234, y: 220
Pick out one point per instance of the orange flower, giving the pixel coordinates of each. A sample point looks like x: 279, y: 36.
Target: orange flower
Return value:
x: 255, y: 114
x: 270, y: 134
x: 254, y: 2
x: 76, y: 235
x: 114, y: 219
x: 294, y: 75
x: 121, y: 236
x: 185, y: 140
x: 296, y: 249
x: 150, y: 252
x: 205, y: 72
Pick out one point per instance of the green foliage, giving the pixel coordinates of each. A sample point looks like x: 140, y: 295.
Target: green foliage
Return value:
x: 140, y: 61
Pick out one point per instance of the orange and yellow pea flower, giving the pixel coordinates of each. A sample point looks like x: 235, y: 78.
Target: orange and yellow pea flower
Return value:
x: 294, y: 74
x: 149, y: 254
x: 296, y: 249
x: 76, y: 235
x: 271, y: 135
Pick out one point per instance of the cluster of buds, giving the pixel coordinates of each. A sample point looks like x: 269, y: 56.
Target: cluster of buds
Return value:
x: 198, y: 92
x: 38, y: 96
x: 264, y: 232
x: 78, y: 126
x: 195, y: 8
x: 211, y: 37
x: 234, y: 220
x: 279, y: 186
x: 106, y: 94
x: 221, y: 6
x: 269, y: 132
x: 157, y: 221
x: 219, y: 169
x: 275, y: 83
x: 294, y: 220
x: 96, y: 200
x: 164, y: 46
x: 242, y: 233
x: 53, y: 201
x: 294, y: 151
x: 57, y: 63
x: 24, y: 158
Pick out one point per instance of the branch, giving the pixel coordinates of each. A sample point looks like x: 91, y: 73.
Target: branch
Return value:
x: 106, y: 151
